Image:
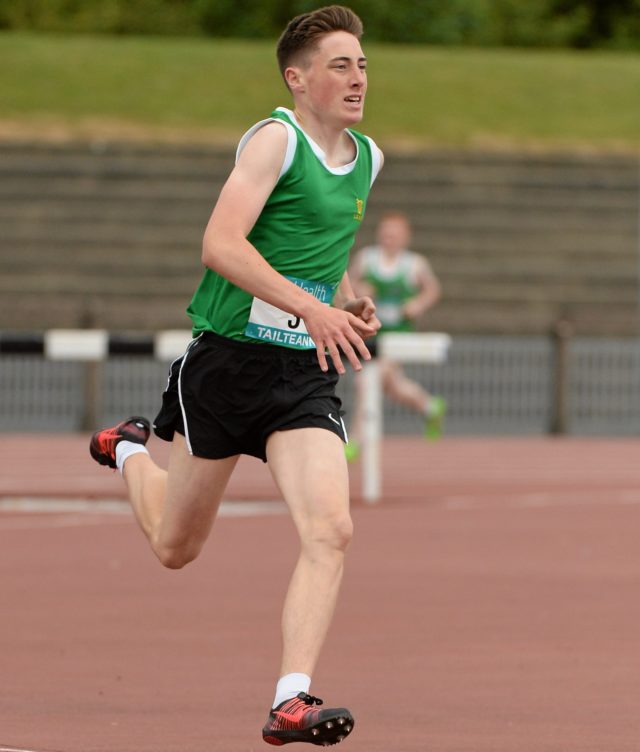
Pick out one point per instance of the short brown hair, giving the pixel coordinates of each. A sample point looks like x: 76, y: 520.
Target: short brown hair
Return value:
x: 395, y: 215
x: 303, y: 32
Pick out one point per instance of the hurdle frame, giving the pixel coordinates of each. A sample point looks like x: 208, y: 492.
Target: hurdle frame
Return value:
x: 401, y: 347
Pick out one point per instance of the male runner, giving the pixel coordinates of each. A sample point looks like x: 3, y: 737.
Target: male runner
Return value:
x: 274, y: 301
x: 403, y: 286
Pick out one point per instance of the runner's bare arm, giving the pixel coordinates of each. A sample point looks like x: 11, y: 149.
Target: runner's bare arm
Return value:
x: 227, y: 251
x: 429, y: 291
x: 356, y: 275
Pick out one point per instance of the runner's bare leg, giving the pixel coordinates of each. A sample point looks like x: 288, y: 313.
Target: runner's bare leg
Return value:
x: 309, y: 467
x: 176, y: 508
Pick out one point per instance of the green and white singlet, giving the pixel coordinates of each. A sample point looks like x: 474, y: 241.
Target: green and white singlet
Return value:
x: 305, y: 232
x: 392, y: 285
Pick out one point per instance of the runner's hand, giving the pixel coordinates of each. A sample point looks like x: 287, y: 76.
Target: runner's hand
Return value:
x: 412, y: 308
x: 333, y: 330
x: 364, y: 308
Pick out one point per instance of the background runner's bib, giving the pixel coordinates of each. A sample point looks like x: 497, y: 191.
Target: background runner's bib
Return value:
x: 389, y: 313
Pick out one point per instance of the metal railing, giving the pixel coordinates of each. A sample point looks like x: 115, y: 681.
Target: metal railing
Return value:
x: 507, y: 385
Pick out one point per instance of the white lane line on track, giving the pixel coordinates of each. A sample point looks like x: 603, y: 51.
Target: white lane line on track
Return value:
x: 43, y: 504
x: 543, y: 499
x: 15, y: 749
x: 56, y: 521
x: 59, y: 513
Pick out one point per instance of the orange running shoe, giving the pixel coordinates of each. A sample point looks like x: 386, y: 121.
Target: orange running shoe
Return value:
x: 297, y: 720
x: 103, y: 443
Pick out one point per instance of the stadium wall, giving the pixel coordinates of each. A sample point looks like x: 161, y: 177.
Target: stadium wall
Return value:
x: 109, y: 235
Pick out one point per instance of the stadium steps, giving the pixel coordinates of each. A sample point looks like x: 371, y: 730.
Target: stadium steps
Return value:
x: 110, y: 235
x: 465, y: 268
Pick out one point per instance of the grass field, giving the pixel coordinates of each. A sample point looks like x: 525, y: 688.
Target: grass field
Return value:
x: 206, y: 88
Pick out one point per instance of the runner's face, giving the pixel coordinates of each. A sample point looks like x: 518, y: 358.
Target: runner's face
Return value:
x: 335, y: 78
x: 394, y: 234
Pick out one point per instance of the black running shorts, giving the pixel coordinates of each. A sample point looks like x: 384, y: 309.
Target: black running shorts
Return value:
x: 227, y: 397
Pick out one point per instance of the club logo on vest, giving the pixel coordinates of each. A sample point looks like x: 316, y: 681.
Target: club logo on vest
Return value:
x: 359, y: 209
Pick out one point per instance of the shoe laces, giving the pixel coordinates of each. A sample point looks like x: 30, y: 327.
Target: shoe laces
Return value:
x: 309, y: 699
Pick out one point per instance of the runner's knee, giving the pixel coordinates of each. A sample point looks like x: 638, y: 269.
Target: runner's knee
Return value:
x: 176, y: 557
x: 332, y: 533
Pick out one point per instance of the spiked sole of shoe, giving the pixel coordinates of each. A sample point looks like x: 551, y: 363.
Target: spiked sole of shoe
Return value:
x: 325, y: 733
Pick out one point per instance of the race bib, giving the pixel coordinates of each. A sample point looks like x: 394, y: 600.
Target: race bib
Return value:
x: 270, y: 324
x: 389, y: 312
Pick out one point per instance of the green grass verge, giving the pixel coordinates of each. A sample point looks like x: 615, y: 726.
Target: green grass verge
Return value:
x: 417, y: 95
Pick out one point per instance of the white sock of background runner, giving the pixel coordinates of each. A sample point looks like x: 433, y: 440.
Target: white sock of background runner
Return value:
x: 124, y: 450
x: 289, y: 686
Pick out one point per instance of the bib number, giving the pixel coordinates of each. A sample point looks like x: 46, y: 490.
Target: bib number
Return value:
x: 271, y: 324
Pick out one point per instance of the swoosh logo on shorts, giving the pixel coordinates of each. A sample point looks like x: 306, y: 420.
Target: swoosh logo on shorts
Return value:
x: 337, y: 422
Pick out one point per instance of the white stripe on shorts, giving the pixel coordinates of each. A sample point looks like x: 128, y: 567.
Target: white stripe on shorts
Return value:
x: 182, y: 408
x: 344, y: 430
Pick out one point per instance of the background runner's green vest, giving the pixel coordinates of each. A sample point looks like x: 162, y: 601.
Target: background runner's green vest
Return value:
x: 391, y: 292
x: 305, y: 231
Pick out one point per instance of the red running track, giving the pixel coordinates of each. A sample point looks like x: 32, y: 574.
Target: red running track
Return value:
x: 490, y: 605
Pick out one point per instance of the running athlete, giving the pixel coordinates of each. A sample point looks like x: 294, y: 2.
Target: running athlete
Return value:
x: 403, y: 286
x: 273, y: 319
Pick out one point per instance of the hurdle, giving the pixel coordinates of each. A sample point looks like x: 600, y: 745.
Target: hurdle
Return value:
x: 91, y: 347
x: 409, y: 347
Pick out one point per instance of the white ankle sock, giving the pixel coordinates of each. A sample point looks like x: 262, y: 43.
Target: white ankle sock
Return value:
x: 289, y: 686
x: 124, y: 450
